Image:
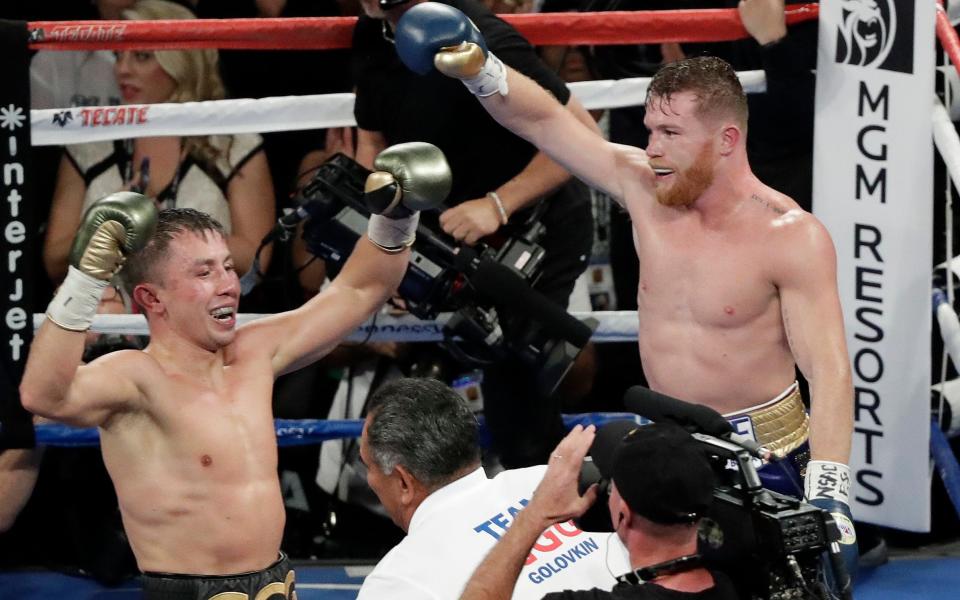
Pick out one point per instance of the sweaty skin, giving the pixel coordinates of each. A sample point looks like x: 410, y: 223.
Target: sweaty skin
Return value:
x: 737, y: 283
x: 186, y: 425
x: 712, y: 330
x: 196, y: 473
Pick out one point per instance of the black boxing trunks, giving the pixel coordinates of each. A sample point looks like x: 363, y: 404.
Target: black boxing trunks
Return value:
x: 783, y: 427
x: 276, y: 582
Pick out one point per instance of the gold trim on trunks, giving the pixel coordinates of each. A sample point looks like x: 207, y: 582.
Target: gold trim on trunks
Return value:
x: 780, y: 425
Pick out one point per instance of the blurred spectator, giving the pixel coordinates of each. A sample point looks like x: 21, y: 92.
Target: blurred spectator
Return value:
x: 267, y: 73
x: 18, y: 474
x: 225, y: 176
x: 493, y: 169
x: 61, y: 79
x: 605, y: 370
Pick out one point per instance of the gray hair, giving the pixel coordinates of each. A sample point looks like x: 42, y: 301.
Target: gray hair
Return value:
x: 425, y: 426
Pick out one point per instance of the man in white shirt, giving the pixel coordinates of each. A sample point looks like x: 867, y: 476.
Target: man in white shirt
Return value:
x: 421, y: 448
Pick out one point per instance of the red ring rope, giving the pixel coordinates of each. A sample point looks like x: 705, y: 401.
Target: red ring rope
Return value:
x: 948, y: 36
x: 327, y: 33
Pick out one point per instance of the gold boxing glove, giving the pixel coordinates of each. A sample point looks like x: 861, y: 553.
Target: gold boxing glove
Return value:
x: 112, y: 228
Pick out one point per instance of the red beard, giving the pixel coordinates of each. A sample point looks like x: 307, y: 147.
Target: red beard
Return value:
x: 690, y: 183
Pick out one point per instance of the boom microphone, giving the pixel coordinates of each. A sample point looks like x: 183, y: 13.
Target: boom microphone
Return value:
x: 695, y: 418
x: 501, y: 285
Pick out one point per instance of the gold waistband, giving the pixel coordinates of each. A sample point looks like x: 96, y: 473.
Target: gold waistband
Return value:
x: 781, y: 425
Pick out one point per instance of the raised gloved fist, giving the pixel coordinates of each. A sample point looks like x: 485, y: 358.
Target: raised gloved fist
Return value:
x: 112, y: 228
x: 429, y: 27
x: 409, y: 178
x: 436, y: 35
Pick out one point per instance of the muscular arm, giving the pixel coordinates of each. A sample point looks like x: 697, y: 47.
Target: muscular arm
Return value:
x: 250, y: 195
x: 813, y: 322
x: 56, y: 386
x: 542, y: 175
x: 300, y: 337
x: 18, y: 475
x: 471, y: 220
x: 533, y: 114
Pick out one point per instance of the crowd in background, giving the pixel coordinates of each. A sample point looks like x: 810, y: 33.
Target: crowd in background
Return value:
x: 246, y: 181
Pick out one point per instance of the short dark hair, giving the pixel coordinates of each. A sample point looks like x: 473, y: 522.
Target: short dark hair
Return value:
x: 171, y: 222
x: 711, y: 79
x: 425, y: 426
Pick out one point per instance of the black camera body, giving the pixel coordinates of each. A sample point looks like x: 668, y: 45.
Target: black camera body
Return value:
x: 769, y: 544
x: 495, y: 313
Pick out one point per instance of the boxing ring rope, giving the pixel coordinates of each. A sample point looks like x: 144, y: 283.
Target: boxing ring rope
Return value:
x: 614, y: 326
x: 301, y: 432
x: 947, y: 143
x: 328, y: 33
x: 52, y: 127
x: 55, y: 127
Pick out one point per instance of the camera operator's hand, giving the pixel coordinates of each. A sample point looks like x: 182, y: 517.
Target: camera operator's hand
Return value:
x: 471, y: 220
x: 556, y: 499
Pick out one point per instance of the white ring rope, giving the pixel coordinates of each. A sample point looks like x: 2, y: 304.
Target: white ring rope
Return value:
x: 946, y: 140
x: 60, y: 126
x: 615, y: 326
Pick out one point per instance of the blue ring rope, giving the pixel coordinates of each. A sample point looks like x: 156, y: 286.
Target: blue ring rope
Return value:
x: 290, y: 432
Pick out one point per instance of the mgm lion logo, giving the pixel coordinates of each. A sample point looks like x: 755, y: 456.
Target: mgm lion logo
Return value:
x: 868, y: 34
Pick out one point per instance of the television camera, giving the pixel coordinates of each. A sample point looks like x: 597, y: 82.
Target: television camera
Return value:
x: 495, y: 312
x: 771, y: 545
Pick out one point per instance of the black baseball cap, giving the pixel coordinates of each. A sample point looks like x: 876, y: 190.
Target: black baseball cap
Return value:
x: 661, y: 472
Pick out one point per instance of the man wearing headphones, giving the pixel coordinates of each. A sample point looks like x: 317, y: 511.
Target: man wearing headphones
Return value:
x: 661, y: 486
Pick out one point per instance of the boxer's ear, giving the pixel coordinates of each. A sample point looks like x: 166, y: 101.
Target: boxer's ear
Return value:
x: 729, y: 139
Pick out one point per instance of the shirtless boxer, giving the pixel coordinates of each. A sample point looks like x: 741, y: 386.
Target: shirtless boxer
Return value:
x: 737, y: 283
x: 186, y: 425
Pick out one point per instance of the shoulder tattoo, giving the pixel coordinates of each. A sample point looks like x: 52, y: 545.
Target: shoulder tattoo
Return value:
x: 767, y: 204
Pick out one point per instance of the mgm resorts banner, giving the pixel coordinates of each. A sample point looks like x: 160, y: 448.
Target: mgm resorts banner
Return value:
x: 19, y: 227
x: 873, y: 188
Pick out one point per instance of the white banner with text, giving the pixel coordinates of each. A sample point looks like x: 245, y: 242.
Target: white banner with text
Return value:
x: 873, y: 189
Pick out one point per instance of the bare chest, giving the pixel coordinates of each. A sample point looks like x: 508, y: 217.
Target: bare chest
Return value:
x: 225, y: 432
x: 714, y: 279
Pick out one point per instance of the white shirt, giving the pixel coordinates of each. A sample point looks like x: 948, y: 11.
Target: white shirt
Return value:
x: 61, y: 79
x: 455, y: 527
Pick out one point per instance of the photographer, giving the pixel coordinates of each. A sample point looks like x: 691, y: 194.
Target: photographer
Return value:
x: 662, y: 484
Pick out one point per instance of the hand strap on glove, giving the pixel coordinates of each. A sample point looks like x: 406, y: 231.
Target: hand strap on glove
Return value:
x: 75, y: 303
x: 827, y: 480
x: 491, y: 79
x: 393, y: 235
